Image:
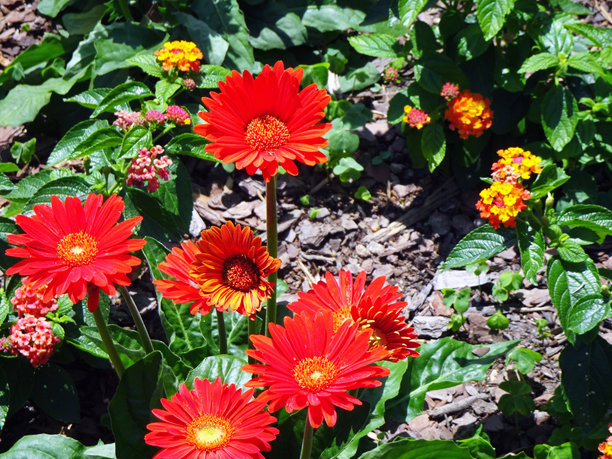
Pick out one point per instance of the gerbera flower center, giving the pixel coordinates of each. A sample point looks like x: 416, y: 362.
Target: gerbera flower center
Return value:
x: 341, y: 316
x: 240, y: 273
x: 209, y: 432
x: 378, y: 338
x: 77, y: 249
x: 266, y: 134
x: 315, y: 374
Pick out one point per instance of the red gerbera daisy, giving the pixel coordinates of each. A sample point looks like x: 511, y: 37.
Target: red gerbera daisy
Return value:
x: 211, y: 421
x: 266, y: 122
x: 71, y: 247
x: 186, y: 288
x: 230, y: 268
x: 374, y: 307
x: 308, y: 364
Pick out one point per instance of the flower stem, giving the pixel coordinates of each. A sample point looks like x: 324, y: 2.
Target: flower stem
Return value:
x: 165, y: 131
x: 272, y: 233
x: 125, y: 10
x: 140, y: 326
x: 222, y: 332
x: 307, y: 441
x: 252, y: 331
x: 111, y: 350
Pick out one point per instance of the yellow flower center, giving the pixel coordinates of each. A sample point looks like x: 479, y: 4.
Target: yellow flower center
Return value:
x: 77, y: 249
x: 209, y: 433
x: 266, y: 134
x: 315, y: 374
x: 378, y: 338
x: 341, y: 316
x: 240, y: 273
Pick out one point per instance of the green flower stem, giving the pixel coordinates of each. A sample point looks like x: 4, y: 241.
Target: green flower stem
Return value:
x: 125, y: 10
x: 272, y: 233
x: 140, y: 326
x: 252, y: 331
x: 307, y: 441
x: 222, y: 332
x: 164, y: 132
x: 111, y: 350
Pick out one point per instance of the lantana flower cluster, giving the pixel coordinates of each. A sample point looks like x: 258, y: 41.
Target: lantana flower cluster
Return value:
x: 469, y: 114
x: 390, y: 75
x: 183, y: 55
x: 449, y: 91
x: 125, y: 120
x: 605, y: 448
x: 153, y: 118
x: 505, y: 198
x: 147, y: 169
x: 415, y: 118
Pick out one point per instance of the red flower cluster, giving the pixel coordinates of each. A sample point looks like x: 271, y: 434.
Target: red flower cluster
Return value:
x: 450, y: 91
x: 29, y: 300
x: 469, y: 114
x: 33, y: 338
x: 145, y: 170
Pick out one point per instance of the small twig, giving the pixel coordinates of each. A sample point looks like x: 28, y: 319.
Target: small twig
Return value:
x: 459, y: 405
x: 309, y: 278
x: 314, y: 257
x: 603, y: 10
x: 322, y: 183
x: 541, y: 308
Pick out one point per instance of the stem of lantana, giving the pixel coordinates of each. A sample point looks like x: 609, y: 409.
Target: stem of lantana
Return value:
x: 307, y: 441
x: 125, y: 10
x: 140, y: 326
x: 165, y: 131
x: 111, y: 350
x: 272, y: 233
x: 222, y: 332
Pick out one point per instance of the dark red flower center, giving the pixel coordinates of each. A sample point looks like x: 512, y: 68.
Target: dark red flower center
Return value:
x: 240, y: 273
x: 315, y: 374
x: 209, y: 432
x: 266, y: 134
x: 77, y: 249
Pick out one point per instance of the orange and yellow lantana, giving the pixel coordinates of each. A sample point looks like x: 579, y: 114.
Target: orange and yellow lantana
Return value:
x: 182, y: 54
x: 605, y: 448
x: 502, y: 202
x: 469, y: 114
x: 415, y: 117
x: 515, y: 163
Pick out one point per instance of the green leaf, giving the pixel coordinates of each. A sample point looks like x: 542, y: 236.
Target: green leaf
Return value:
x: 164, y: 90
x: 492, y: 15
x: 8, y: 167
x: 559, y: 116
x: 359, y: 78
x: 498, y: 321
x: 139, y: 391
x: 569, y: 6
x: 45, y: 446
x: 571, y: 251
x: 137, y: 138
x: 5, y: 394
x: 62, y: 188
x: 214, y: 47
x: 433, y: 145
x: 272, y: 26
x: 567, y: 450
x: 98, y: 140
x: 331, y: 17
x: 518, y: 400
x: 443, y: 363
x: 122, y: 94
x: 363, y: 193
x: 23, y: 151
x: 556, y: 39
x: 211, y: 75
x: 376, y: 45
x: 148, y: 63
x: 343, y: 143
x: 586, y: 372
x: 585, y: 62
x: 421, y: 449
x: 32, y: 183
x: 93, y: 97
x: 226, y: 367
x: 470, y: 42
x: 567, y: 284
x: 550, y: 178
x: 67, y: 146
x: 462, y: 301
x: 479, y: 245
x: 83, y: 23
x: 599, y: 36
x: 596, y: 218
x: 409, y: 10
x: 539, y: 62
x: 531, y: 245
x: 54, y: 391
x: 190, y: 144
x: 227, y: 20
x: 5, y: 183
x: 433, y: 70
x: 52, y: 7
x: 525, y: 359
x: 52, y: 47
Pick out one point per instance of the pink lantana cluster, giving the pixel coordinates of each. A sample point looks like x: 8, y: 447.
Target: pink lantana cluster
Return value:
x: 33, y: 338
x: 189, y: 84
x: 147, y: 169
x: 390, y: 75
x: 450, y: 91
x: 125, y: 120
x: 155, y: 117
x: 29, y: 301
x: 177, y: 115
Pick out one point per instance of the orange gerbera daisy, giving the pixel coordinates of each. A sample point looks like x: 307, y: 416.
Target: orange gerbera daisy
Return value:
x: 72, y: 248
x: 266, y: 122
x: 307, y: 363
x: 211, y: 421
x: 374, y: 307
x: 230, y: 268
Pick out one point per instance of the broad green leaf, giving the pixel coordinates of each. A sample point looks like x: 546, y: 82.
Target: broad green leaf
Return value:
x: 556, y: 39
x: 227, y: 20
x: 214, y: 47
x: 5, y: 308
x: 52, y: 7
x: 62, y: 188
x: 569, y: 6
x: 531, y: 245
x: 599, y: 36
x: 433, y: 70
x: 567, y: 284
x: 164, y: 90
x: 176, y: 195
x: 571, y: 251
x: 112, y: 55
x: 20, y: 376
x: 98, y: 140
x: 586, y: 372
x: 272, y: 26
x: 559, y: 116
x: 492, y: 15
x: 226, y: 367
x: 211, y: 75
x: 443, y: 363
x: 54, y: 391
x: 123, y: 93
x: 343, y: 143
x: 498, y: 321
x: 140, y: 390
x: 518, y: 400
x: 45, y: 446
x: 137, y: 138
x: 596, y: 218
x: 93, y: 97
x: 158, y: 221
x: 470, y: 42
x: 586, y: 62
x: 83, y: 23
x: 101, y: 452
x: 376, y: 45
x: 479, y: 245
x: 525, y: 359
x: 52, y: 47
x: 8, y: 167
x: 359, y: 78
x: 423, y: 40
x: 23, y: 152
x: 396, y: 106
x: 421, y: 449
x: 409, y: 10
x: 433, y: 145
x: 539, y: 61
x: 5, y: 393
x: 567, y: 450
x: 29, y: 185
x: 5, y: 183
x: 148, y: 63
x: 331, y: 17
x: 190, y: 144
x: 549, y: 179
x: 69, y: 146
